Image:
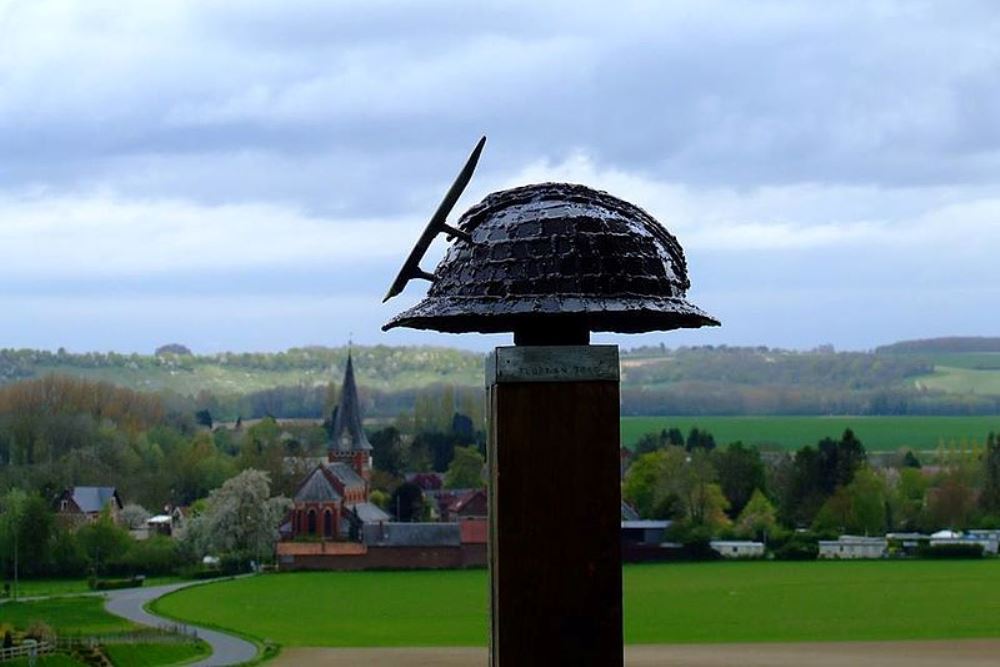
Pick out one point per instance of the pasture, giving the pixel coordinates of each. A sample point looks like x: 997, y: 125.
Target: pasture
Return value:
x: 77, y: 615
x: 664, y: 603
x: 791, y: 433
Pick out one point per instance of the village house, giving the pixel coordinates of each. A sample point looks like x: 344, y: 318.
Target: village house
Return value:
x: 987, y: 539
x: 738, y: 548
x: 79, y: 504
x: 852, y: 547
x: 469, y: 505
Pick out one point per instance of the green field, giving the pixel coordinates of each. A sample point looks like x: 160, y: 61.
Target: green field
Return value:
x: 877, y: 433
x: 152, y: 655
x: 46, y: 587
x: 958, y: 380
x: 664, y: 603
x: 78, y: 615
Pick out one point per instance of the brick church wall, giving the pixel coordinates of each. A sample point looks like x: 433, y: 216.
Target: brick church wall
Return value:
x: 388, y: 558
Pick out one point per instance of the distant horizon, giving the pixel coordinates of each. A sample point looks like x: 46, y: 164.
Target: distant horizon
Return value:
x: 594, y: 340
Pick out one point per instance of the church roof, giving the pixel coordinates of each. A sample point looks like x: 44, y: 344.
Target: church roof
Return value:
x: 316, y: 488
x: 348, y: 435
x: 345, y: 474
x: 370, y: 513
x: 413, y: 534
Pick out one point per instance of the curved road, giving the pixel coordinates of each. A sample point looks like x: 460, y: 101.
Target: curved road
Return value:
x: 226, y: 649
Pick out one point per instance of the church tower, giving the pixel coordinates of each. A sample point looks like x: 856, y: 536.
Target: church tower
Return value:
x: 349, y: 444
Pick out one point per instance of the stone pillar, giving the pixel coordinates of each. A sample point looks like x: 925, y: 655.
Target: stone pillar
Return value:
x: 555, y: 506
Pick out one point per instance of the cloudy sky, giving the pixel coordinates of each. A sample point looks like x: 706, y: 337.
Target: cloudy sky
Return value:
x: 250, y: 175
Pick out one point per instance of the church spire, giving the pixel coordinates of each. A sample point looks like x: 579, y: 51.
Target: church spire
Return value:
x: 348, y: 435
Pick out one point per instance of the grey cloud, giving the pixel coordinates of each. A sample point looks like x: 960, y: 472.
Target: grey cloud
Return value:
x: 705, y: 94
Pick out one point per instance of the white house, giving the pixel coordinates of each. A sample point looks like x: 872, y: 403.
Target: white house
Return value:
x: 853, y: 546
x: 987, y: 539
x: 738, y: 548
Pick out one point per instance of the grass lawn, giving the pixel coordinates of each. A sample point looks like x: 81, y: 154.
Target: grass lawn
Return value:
x: 141, y: 655
x: 664, y: 603
x: 38, y: 587
x: 84, y: 614
x: 344, y: 608
x: 877, y: 433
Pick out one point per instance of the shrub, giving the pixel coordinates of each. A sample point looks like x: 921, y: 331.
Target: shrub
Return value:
x: 800, y: 546
x: 156, y: 555
x: 115, y: 584
x: 939, y: 551
x: 235, y: 563
x: 40, y: 631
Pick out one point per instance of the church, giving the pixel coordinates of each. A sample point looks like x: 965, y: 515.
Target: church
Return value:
x: 332, y: 502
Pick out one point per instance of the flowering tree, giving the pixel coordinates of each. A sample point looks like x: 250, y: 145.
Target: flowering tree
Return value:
x: 134, y: 516
x: 240, y: 516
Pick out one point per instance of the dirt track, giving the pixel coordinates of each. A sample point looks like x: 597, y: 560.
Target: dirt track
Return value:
x: 957, y: 653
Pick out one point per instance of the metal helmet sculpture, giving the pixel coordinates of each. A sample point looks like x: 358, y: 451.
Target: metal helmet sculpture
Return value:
x: 550, y: 262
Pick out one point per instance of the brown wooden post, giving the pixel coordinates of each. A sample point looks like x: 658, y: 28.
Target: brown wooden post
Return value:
x: 555, y: 506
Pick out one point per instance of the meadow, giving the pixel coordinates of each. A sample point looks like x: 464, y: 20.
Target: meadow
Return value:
x: 52, y: 587
x: 85, y: 615
x: 75, y: 615
x: 791, y: 433
x: 664, y: 603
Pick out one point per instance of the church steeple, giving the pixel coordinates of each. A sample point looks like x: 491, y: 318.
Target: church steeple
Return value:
x: 348, y: 442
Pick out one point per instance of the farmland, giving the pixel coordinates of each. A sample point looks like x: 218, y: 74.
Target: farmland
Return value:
x: 791, y: 433
x: 664, y: 603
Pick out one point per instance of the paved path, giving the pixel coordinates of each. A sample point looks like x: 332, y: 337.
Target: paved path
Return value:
x: 226, y: 649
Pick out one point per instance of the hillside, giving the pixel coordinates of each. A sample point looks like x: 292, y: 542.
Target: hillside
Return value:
x: 954, y: 376
x: 379, y: 368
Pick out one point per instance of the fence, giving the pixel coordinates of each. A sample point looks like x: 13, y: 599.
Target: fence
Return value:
x: 165, y: 633
x: 25, y: 651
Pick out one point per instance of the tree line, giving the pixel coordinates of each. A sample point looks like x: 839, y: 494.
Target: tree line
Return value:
x: 831, y: 488
x: 60, y: 431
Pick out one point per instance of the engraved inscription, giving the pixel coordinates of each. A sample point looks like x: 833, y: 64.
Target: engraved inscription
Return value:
x: 553, y: 364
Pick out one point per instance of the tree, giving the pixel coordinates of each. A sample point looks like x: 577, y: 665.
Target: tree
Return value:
x: 25, y: 532
x: 758, y: 518
x: 242, y: 517
x: 692, y: 480
x: 950, y: 504
x: 741, y: 472
x: 910, y: 460
x: 204, y: 418
x: 989, y: 500
x: 465, y: 470
x: 103, y: 541
x: 699, y: 439
x: 387, y: 450
x: 648, y: 442
x: 907, y: 499
x: 641, y: 483
x: 407, y: 502
x: 838, y: 460
x: 134, y: 516
x: 859, y: 507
